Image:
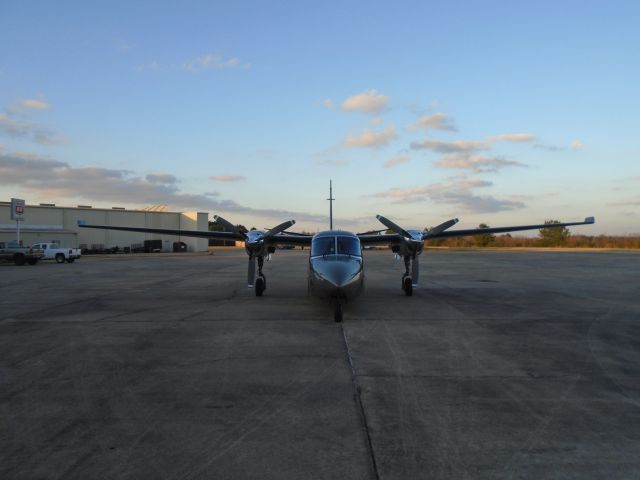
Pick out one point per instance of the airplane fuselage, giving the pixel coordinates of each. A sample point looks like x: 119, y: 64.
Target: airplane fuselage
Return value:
x: 336, y: 267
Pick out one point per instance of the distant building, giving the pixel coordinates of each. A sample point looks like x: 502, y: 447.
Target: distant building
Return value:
x: 51, y: 223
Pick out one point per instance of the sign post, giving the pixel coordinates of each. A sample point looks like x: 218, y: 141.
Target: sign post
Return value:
x: 17, y: 214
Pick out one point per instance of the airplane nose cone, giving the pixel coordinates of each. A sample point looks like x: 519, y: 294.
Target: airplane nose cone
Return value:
x: 341, y: 277
x: 341, y: 274
x: 336, y: 276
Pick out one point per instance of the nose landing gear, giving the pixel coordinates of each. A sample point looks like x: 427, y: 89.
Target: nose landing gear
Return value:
x: 337, y: 316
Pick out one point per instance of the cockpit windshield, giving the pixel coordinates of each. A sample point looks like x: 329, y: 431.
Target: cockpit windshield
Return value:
x: 349, y: 246
x: 327, y: 246
x: 323, y: 246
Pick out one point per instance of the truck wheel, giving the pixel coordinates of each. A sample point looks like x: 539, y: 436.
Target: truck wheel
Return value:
x: 60, y: 257
x: 18, y: 259
x: 32, y: 261
x: 70, y: 260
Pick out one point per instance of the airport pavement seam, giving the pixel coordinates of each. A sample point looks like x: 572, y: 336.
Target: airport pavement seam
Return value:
x: 358, y: 398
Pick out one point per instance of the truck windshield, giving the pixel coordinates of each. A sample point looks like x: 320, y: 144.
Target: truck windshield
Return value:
x: 349, y: 246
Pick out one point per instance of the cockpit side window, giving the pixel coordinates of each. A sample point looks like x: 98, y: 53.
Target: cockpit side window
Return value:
x: 349, y: 246
x: 323, y: 246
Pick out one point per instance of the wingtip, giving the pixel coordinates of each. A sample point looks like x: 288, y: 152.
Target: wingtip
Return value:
x: 590, y: 220
x: 81, y: 223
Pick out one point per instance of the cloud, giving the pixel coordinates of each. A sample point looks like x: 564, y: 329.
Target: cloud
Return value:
x: 369, y: 101
x: 376, y: 121
x: 626, y: 203
x: 370, y: 139
x: 51, y: 179
x: 35, y: 103
x: 481, y: 204
x: 477, y: 163
x: 209, y: 61
x: 457, y: 146
x: 16, y: 128
x: 512, y: 137
x: 548, y: 148
x: 577, y: 145
x: 436, y: 121
x: 396, y: 160
x: 162, y: 178
x: 214, y: 61
x: 11, y: 127
x: 227, y: 178
x: 464, y: 146
x: 456, y: 191
x: 328, y: 103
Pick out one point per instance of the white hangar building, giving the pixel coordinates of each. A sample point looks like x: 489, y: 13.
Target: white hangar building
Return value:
x: 51, y: 223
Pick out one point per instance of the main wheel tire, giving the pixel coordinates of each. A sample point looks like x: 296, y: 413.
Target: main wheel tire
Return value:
x: 70, y: 260
x: 264, y: 281
x: 259, y: 286
x: 18, y: 259
x: 32, y: 261
x: 337, y: 316
x: 60, y: 257
x: 408, y: 286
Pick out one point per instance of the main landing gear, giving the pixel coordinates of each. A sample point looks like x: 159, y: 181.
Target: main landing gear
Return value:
x: 407, y: 281
x: 407, y: 285
x: 260, y: 283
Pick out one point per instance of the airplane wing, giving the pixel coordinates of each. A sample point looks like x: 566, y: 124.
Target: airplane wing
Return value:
x: 291, y: 239
x: 164, y: 231
x: 479, y: 231
x: 395, y: 238
x: 385, y: 239
x: 279, y: 239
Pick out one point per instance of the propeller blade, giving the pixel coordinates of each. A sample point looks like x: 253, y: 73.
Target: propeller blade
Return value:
x: 251, y: 271
x: 415, y: 269
x: 230, y: 227
x: 440, y: 228
x: 279, y: 228
x: 396, y: 228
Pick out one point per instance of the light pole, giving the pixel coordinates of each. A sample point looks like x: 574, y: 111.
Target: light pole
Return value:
x: 331, y: 199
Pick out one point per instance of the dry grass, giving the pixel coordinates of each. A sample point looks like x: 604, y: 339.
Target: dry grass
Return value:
x: 574, y: 241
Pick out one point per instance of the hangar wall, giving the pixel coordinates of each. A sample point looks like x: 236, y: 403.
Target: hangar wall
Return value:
x: 46, y: 223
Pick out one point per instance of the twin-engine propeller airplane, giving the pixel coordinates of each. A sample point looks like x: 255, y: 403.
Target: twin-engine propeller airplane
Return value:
x: 336, y: 266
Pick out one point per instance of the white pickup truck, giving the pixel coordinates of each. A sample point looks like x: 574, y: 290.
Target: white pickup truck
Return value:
x: 53, y: 251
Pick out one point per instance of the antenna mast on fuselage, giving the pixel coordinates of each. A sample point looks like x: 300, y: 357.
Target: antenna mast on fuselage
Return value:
x: 331, y: 199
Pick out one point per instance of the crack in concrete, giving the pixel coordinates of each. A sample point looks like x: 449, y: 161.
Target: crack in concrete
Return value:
x: 358, y: 398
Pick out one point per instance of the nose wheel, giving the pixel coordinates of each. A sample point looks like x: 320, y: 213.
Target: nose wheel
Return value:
x: 260, y: 285
x: 407, y: 285
x: 337, y: 316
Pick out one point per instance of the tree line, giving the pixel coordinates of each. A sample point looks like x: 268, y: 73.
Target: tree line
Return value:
x: 547, y: 237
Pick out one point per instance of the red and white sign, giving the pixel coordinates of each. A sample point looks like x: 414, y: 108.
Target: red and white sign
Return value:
x: 17, y: 209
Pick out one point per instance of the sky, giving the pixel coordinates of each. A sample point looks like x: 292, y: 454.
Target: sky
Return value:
x: 501, y: 113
